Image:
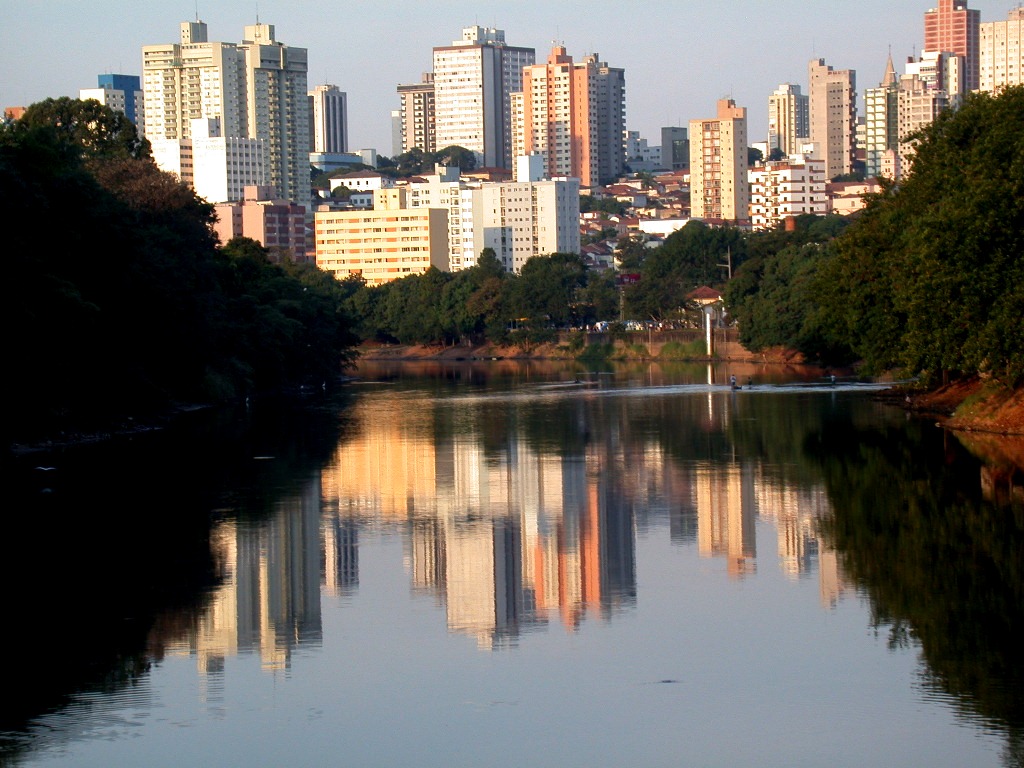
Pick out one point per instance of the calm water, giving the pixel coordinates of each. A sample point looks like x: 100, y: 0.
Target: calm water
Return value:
x: 497, y: 565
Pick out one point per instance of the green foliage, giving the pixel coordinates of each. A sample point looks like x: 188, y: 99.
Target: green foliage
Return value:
x: 416, y: 161
x: 675, y: 350
x: 935, y: 267
x: 689, y: 258
x: 775, y: 296
x: 132, y: 307
x: 90, y: 128
x: 610, y: 205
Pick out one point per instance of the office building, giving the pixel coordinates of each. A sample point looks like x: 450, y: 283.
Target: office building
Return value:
x: 675, y: 148
x: 719, y: 189
x: 954, y: 28
x: 474, y: 79
x: 832, y: 113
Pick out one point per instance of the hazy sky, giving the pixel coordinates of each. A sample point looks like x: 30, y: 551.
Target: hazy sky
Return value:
x: 679, y: 56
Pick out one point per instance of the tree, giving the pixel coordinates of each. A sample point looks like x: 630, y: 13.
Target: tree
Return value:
x: 944, y: 250
x: 94, y: 129
x: 455, y: 155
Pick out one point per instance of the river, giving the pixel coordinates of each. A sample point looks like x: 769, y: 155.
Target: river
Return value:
x: 512, y: 563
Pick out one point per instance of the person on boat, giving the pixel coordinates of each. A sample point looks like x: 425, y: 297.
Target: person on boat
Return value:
x: 732, y: 381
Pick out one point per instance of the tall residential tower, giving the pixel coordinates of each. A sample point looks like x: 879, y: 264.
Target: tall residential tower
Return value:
x: 474, y: 79
x: 256, y: 89
x: 832, y: 111
x: 953, y: 27
x: 564, y: 114
x: 719, y: 188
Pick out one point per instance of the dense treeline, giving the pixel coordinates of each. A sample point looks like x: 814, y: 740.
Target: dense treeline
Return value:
x: 120, y: 301
x: 929, y: 279
x: 485, y: 302
x: 558, y: 291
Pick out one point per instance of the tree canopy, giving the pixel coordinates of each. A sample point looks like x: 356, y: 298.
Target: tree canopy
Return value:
x: 130, y: 305
x: 931, y: 278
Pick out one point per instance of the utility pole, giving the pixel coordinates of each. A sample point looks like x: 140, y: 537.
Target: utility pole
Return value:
x: 728, y: 264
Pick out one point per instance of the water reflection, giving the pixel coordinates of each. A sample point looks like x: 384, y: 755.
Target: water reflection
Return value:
x: 519, y: 499
x: 518, y: 507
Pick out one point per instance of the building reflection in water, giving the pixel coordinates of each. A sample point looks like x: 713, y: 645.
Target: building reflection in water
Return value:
x: 507, y: 538
x: 269, y: 597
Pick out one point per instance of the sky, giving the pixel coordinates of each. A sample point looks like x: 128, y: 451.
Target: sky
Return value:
x: 680, y: 56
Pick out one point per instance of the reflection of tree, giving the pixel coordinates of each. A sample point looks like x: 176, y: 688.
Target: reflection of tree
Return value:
x: 943, y: 566
x: 124, y: 559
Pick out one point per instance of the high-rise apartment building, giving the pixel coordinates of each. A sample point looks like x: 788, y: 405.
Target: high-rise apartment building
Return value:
x: 940, y: 70
x: 954, y: 28
x: 328, y: 116
x: 120, y: 92
x: 610, y: 85
x: 558, y: 117
x: 223, y: 166
x: 917, y: 107
x: 881, y: 122
x: 1001, y: 52
x: 788, y: 120
x: 474, y: 79
x: 416, y: 113
x: 897, y: 109
x: 719, y: 188
x: 256, y: 88
x: 832, y: 113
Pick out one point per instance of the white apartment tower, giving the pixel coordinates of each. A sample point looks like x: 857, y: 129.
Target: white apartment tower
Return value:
x: 719, y: 188
x: 1001, y: 52
x: 832, y: 110
x: 328, y: 114
x: 788, y: 127
x: 256, y: 88
x: 473, y: 82
x: 881, y: 136
x: 521, y: 219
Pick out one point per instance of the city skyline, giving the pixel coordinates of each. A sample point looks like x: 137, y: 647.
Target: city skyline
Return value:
x: 679, y: 58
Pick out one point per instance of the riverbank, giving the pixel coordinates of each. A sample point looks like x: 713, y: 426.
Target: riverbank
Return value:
x: 970, y: 406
